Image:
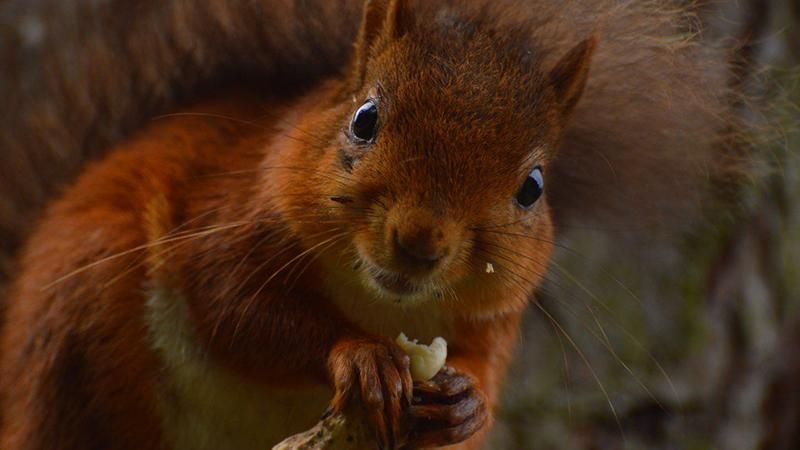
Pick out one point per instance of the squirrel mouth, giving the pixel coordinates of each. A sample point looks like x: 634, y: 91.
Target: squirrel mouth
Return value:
x: 395, y: 283
x: 387, y: 282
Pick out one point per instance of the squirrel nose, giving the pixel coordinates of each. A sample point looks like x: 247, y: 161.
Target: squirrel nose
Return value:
x: 419, y: 246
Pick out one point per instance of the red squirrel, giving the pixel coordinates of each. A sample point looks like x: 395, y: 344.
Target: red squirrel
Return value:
x: 233, y: 269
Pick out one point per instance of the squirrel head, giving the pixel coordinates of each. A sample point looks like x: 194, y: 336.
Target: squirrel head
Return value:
x: 431, y: 157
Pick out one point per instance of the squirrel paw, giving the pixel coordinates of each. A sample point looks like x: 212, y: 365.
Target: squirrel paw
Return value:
x: 377, y: 371
x: 446, y: 410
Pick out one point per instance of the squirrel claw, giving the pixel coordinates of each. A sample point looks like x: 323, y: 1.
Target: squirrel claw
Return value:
x: 447, y: 409
x: 376, y: 371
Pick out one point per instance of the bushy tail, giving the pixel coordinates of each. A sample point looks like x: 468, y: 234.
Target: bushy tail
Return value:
x: 660, y: 129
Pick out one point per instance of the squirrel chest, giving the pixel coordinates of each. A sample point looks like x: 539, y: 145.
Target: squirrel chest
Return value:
x: 205, y: 406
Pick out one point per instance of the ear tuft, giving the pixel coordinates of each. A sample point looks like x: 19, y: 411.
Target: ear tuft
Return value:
x: 372, y: 21
x: 382, y: 22
x: 570, y: 74
x: 399, y: 20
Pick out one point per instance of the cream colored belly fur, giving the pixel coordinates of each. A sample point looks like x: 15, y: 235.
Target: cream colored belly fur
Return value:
x: 206, y: 407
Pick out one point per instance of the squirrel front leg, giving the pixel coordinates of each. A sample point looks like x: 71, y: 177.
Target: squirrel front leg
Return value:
x: 377, y: 371
x: 457, y: 405
x: 287, y: 339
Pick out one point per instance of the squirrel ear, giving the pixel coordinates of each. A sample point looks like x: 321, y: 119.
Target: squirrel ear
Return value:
x: 399, y: 20
x: 382, y: 22
x: 569, y: 76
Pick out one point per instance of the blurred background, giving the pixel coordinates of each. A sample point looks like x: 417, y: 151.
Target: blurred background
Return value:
x: 694, y: 345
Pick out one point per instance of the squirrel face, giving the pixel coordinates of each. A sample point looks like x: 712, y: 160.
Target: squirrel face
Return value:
x: 437, y: 162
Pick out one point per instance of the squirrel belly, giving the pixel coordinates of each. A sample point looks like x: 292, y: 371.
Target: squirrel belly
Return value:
x: 203, y: 406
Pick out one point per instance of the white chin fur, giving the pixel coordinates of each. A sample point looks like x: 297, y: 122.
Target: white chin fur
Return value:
x: 422, y: 293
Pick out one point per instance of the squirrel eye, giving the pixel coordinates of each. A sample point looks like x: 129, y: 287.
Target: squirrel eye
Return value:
x: 364, y: 125
x: 531, y: 189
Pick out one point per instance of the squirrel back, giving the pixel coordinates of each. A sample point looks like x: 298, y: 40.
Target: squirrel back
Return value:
x: 651, y: 133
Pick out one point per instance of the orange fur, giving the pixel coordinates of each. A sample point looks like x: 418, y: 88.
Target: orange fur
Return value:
x: 264, y: 217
